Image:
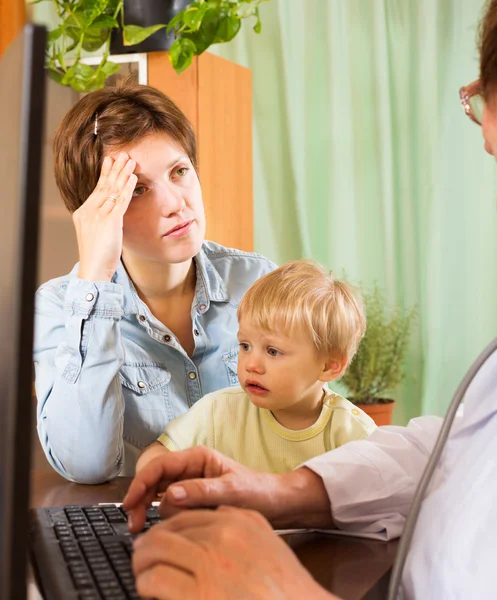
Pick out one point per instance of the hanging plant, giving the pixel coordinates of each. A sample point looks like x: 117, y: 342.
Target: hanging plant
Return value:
x: 208, y: 22
x: 87, y: 26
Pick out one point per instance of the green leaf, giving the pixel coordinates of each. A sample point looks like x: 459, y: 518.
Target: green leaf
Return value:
x: 54, y: 74
x: 100, y: 75
x: 110, y: 68
x: 228, y: 27
x: 78, y: 76
x: 181, y: 54
x: 104, y: 22
x: 258, y: 26
x: 60, y: 58
x: 96, y: 35
x: 71, y: 47
x: 134, y: 34
x: 94, y: 8
x: 176, y: 20
x: 94, y: 39
x: 206, y: 35
x: 55, y: 34
x: 78, y: 20
x: 193, y: 15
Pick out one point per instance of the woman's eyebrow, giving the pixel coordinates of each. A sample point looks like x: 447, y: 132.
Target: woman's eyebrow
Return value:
x: 169, y: 166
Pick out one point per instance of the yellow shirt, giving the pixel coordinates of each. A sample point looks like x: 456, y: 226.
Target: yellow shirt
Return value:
x: 228, y: 421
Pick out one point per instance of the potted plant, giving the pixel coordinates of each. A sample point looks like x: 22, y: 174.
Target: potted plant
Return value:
x: 115, y: 26
x: 378, y: 366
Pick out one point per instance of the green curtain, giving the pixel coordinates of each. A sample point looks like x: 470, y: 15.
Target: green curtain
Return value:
x: 364, y: 161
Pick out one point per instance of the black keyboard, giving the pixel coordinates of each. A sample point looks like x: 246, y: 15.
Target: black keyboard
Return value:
x: 84, y: 552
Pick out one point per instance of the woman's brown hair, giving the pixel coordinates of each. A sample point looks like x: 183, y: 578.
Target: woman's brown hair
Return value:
x: 120, y: 115
x: 488, y: 50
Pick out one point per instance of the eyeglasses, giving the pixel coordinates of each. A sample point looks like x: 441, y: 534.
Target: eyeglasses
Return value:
x: 472, y: 101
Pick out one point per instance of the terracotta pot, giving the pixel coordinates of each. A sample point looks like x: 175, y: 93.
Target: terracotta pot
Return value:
x: 381, y: 413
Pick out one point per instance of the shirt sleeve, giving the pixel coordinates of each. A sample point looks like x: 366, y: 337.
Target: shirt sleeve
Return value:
x: 194, y: 428
x: 371, y: 482
x: 78, y: 352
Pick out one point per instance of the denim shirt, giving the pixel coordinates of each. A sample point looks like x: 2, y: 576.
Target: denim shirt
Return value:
x: 110, y: 376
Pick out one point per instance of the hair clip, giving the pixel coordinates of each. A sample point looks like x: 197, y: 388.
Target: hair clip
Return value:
x: 95, y: 129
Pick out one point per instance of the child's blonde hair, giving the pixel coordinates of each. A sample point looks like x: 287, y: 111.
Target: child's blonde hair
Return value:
x: 302, y: 295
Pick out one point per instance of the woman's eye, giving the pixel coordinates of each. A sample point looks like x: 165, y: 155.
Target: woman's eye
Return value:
x: 139, y: 191
x: 182, y: 171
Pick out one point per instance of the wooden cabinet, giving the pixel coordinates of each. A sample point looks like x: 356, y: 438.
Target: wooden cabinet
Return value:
x: 216, y: 95
x: 12, y: 19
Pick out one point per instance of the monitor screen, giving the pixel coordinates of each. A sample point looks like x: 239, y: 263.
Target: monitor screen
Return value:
x: 22, y: 96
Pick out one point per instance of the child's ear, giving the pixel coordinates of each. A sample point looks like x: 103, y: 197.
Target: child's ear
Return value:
x: 332, y: 369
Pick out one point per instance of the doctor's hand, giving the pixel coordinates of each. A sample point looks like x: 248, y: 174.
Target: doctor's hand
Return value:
x: 99, y: 220
x: 219, y: 555
x: 200, y: 477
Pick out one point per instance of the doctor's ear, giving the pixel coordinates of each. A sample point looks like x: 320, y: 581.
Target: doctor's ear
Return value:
x: 333, y: 368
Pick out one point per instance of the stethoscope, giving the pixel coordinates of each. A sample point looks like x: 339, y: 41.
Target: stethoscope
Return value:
x: 419, y: 495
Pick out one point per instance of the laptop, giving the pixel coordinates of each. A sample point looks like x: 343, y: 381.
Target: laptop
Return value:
x: 77, y: 552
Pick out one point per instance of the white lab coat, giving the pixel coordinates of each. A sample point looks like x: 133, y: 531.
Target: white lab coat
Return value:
x: 453, y: 553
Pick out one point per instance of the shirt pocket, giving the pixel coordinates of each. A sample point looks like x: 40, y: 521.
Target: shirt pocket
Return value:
x: 230, y: 360
x: 147, y: 410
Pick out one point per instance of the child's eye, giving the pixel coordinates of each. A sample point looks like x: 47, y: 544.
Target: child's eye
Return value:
x: 273, y: 352
x: 243, y: 346
x: 139, y: 191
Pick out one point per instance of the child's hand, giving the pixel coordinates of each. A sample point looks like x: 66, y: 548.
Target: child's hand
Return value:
x: 153, y: 451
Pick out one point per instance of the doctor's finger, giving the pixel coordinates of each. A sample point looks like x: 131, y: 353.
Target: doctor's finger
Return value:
x: 160, y: 546
x: 174, y: 466
x: 224, y: 518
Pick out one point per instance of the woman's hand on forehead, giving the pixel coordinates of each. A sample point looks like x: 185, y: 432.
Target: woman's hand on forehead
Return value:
x: 99, y: 221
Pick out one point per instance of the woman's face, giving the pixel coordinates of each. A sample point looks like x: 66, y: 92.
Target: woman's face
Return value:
x: 489, y: 126
x: 165, y: 220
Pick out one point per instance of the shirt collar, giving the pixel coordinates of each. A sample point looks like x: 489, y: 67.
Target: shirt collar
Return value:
x: 210, y: 286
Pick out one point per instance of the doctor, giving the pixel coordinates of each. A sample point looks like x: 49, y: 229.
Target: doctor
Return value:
x: 365, y: 486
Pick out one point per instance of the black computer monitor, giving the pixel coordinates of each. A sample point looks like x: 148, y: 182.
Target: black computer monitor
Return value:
x: 22, y: 96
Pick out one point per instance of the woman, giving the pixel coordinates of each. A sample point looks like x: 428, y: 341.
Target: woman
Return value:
x: 145, y: 323
x: 362, y: 487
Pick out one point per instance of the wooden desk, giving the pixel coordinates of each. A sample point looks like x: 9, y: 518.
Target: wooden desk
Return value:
x: 351, y: 568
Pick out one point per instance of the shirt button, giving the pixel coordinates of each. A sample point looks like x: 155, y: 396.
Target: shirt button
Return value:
x: 89, y: 297
x: 354, y: 411
x: 167, y: 338
x: 202, y: 307
x: 192, y: 375
x: 142, y: 318
x: 196, y: 332
x: 141, y: 384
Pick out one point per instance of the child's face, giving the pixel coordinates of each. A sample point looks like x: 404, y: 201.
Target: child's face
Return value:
x: 278, y: 371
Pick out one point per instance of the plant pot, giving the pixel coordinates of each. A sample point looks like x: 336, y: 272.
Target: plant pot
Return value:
x: 381, y: 412
x: 147, y: 13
